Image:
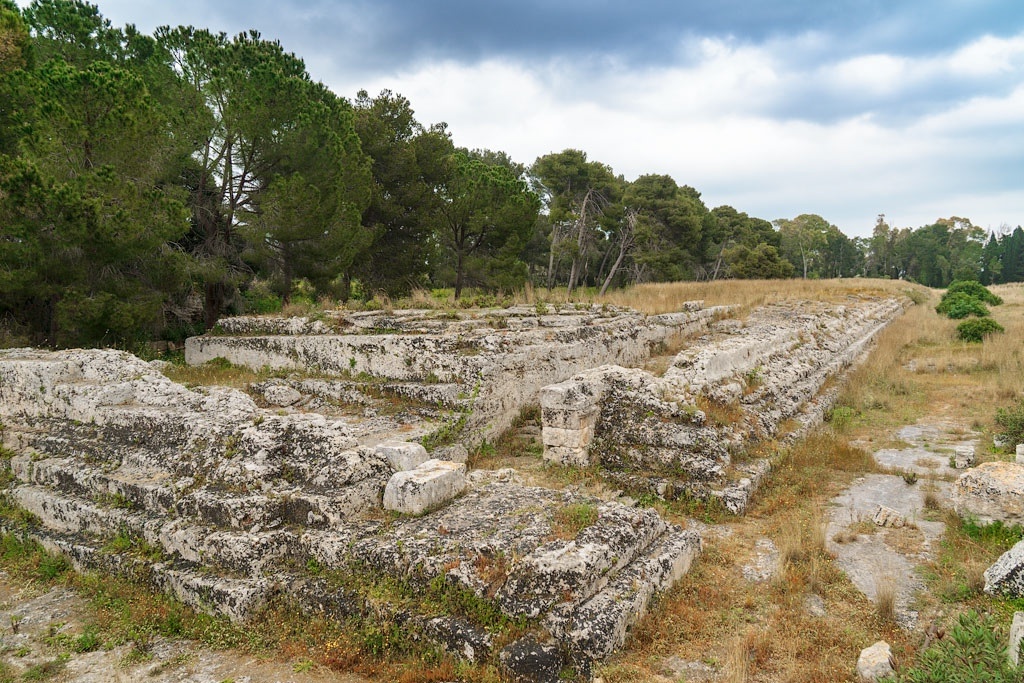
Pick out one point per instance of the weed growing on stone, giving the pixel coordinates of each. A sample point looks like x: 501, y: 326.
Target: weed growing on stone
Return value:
x: 573, y: 518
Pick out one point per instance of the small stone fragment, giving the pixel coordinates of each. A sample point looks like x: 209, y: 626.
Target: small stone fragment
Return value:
x: 402, y: 455
x: 1020, y: 454
x: 875, y: 662
x: 1016, y: 636
x: 963, y: 457
x: 815, y: 605
x: 281, y: 395
x: 889, y: 518
x: 1000, y: 440
x: 430, y: 485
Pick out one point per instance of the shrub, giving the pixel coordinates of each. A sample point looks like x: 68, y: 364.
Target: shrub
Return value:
x: 260, y: 299
x: 974, y: 289
x: 975, y: 651
x: 1012, y: 422
x: 959, y: 305
x: 976, y: 329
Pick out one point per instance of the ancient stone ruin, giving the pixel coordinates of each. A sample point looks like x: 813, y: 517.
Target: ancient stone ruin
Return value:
x: 308, y: 487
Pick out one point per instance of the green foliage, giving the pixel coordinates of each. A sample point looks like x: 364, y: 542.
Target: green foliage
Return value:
x: 840, y: 417
x: 763, y: 262
x: 976, y: 329
x: 573, y: 518
x: 974, y: 289
x: 960, y: 305
x: 995, y: 536
x: 974, y: 652
x: 260, y: 299
x: 1011, y: 422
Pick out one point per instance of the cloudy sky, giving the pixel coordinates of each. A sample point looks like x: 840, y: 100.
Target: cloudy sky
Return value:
x: 845, y: 108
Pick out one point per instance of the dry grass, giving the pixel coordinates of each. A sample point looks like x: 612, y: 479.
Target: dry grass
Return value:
x: 885, y: 598
x: 747, y: 294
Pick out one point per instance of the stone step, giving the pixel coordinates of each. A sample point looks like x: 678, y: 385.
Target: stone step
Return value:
x: 235, y: 598
x: 158, y: 491
x: 249, y: 553
x: 599, y: 626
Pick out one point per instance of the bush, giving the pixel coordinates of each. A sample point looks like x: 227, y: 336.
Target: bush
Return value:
x: 1012, y: 422
x: 974, y: 289
x: 976, y: 329
x: 975, y: 651
x: 960, y: 305
x: 260, y: 299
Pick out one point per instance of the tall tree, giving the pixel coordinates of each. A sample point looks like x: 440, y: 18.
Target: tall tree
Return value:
x: 407, y: 165
x: 485, y: 211
x: 577, y: 194
x: 89, y: 220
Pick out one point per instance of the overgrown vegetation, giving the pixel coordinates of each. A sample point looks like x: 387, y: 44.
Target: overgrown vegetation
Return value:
x: 1010, y: 420
x: 977, y: 330
x: 974, y: 651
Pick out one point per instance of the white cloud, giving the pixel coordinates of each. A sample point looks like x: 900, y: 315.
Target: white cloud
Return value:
x: 708, y: 124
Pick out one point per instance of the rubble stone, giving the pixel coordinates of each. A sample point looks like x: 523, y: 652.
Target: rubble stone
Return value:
x: 889, y: 518
x: 963, y: 457
x: 1016, y: 637
x: 875, y: 662
x: 1006, y: 575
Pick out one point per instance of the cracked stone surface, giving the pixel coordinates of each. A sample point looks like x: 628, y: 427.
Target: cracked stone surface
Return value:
x: 884, y: 555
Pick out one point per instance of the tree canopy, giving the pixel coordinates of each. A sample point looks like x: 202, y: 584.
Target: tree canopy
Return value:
x: 150, y: 184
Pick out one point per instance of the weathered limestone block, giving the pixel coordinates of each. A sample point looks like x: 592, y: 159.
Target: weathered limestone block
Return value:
x: 598, y: 627
x: 1016, y: 636
x: 1020, y: 453
x: 963, y: 457
x: 281, y: 395
x: 427, y: 487
x: 454, y: 453
x: 528, y: 661
x: 402, y: 455
x: 889, y: 518
x: 875, y: 662
x: 991, y: 491
x: 1006, y: 575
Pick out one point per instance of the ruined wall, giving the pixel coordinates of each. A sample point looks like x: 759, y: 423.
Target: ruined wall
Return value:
x: 677, y: 434
x: 501, y: 357
x: 232, y: 502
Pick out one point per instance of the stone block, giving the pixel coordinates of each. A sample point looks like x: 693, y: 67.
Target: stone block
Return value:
x: 1006, y: 575
x: 281, y: 395
x: 567, y: 438
x: 1020, y: 453
x: 402, y: 455
x: 963, y: 457
x: 527, y: 661
x: 874, y: 662
x: 992, y: 491
x: 454, y: 453
x: 1016, y: 636
x: 889, y: 518
x: 563, y: 455
x: 425, y: 488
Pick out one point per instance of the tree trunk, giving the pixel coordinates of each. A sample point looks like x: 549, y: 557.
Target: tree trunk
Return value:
x: 458, y: 275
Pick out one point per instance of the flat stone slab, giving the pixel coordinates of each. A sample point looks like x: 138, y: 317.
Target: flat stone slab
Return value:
x: 428, y: 486
x: 885, y: 555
